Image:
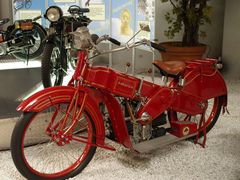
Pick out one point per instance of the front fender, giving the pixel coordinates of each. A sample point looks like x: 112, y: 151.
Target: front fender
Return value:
x: 46, y: 97
x: 40, y: 27
x: 63, y: 94
x: 54, y: 39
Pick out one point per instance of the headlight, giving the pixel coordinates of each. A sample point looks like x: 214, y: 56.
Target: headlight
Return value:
x: 53, y: 13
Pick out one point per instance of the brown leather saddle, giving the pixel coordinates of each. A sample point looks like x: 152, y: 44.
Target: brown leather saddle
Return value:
x: 170, y: 68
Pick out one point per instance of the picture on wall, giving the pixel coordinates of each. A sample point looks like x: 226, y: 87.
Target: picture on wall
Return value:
x: 63, y: 4
x: 30, y: 14
x: 99, y: 14
x: 146, y: 8
x: 29, y: 10
x: 146, y: 15
x: 64, y: 1
x: 123, y: 19
x: 20, y: 4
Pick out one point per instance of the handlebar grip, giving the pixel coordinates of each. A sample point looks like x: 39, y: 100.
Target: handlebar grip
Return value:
x: 114, y: 41
x: 84, y: 10
x: 37, y: 18
x: 94, y: 38
x: 158, y: 47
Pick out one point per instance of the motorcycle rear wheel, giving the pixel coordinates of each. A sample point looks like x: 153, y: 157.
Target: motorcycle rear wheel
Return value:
x: 211, y: 115
x: 37, y: 49
x: 35, y: 149
x: 54, y: 65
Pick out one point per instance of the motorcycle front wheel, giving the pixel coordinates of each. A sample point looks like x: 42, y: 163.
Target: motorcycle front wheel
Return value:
x: 37, y: 36
x: 72, y: 56
x: 40, y: 152
x: 54, y: 65
x: 214, y: 106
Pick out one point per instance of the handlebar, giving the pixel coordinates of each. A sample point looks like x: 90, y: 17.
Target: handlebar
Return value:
x: 74, y: 9
x: 106, y: 37
x: 84, y: 10
x: 127, y: 46
x: 142, y: 42
x: 36, y: 18
x: 94, y: 38
x: 114, y: 41
x: 158, y: 47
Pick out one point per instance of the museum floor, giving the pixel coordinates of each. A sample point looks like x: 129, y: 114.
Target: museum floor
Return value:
x: 183, y: 160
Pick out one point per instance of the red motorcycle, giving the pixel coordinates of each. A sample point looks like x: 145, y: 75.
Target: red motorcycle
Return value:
x: 61, y: 127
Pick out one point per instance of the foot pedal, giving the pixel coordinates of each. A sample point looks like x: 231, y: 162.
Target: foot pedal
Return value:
x: 156, y: 143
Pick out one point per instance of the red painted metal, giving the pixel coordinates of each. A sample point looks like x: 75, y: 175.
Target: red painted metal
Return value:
x: 202, y: 82
x: 183, y: 128
x: 202, y: 78
x: 54, y: 95
x: 117, y: 120
x: 112, y: 81
x: 157, y: 103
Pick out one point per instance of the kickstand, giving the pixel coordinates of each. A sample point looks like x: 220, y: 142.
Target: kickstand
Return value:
x: 28, y: 50
x: 204, y: 131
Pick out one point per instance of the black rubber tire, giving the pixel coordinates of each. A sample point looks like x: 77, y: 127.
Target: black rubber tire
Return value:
x: 18, y: 158
x: 48, y: 66
x: 39, y: 51
x: 213, y: 122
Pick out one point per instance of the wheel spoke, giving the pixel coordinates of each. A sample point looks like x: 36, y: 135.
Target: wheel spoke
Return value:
x: 55, y: 155
x: 211, y: 114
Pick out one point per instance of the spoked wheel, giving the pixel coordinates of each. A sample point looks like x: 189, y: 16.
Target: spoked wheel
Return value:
x: 32, y: 42
x: 40, y: 151
x: 211, y: 116
x: 54, y: 65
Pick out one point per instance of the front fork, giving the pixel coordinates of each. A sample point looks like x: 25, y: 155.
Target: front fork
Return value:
x: 76, y: 114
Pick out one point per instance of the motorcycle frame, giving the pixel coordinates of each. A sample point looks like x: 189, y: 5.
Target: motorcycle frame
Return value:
x: 157, y: 99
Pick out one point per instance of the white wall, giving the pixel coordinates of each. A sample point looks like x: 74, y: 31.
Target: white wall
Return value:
x: 231, y: 47
x: 5, y: 9
x: 214, y: 31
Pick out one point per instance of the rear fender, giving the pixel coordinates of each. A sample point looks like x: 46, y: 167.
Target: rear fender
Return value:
x: 204, y: 82
x: 208, y: 86
x: 53, y: 95
x: 43, y: 30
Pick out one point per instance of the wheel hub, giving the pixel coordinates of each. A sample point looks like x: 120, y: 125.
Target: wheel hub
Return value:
x: 60, y: 139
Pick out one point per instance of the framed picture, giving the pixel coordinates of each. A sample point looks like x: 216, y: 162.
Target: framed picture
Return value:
x: 64, y: 1
x: 97, y: 12
x: 30, y: 14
